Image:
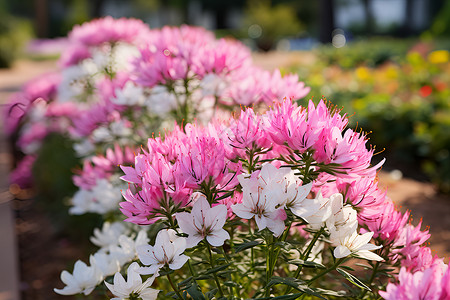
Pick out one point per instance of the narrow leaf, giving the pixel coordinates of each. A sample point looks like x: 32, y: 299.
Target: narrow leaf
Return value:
x: 353, y: 279
x: 247, y: 245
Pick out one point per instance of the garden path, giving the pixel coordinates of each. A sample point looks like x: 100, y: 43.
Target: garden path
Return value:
x: 11, y: 81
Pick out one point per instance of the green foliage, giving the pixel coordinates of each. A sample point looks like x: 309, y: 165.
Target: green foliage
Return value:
x: 274, y: 22
x: 372, y: 53
x: 54, y: 186
x: 402, y: 101
x: 14, y: 33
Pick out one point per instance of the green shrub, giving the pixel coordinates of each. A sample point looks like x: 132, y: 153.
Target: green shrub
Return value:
x: 14, y: 33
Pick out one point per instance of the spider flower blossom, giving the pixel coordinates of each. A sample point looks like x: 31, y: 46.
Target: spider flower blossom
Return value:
x: 167, y: 251
x: 431, y: 284
x: 204, y: 222
x: 132, y: 287
x: 83, y: 280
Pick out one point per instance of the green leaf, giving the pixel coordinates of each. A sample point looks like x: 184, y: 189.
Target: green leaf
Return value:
x: 353, y: 279
x: 347, y: 268
x: 216, y: 269
x: 231, y: 284
x: 195, y: 292
x: 294, y: 283
x: 331, y: 293
x: 284, y: 297
x: 165, y: 272
x: 211, y: 293
x: 203, y: 277
x: 247, y: 245
x: 308, y: 264
x: 186, y: 281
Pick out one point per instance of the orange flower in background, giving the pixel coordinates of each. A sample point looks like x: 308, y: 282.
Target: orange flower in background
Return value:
x: 425, y: 91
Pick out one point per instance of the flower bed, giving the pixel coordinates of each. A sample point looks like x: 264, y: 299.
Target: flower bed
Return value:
x: 271, y: 202
x: 405, y: 103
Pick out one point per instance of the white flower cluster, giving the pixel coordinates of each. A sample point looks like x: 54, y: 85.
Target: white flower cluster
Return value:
x: 117, y: 247
x: 266, y: 194
x: 104, y: 197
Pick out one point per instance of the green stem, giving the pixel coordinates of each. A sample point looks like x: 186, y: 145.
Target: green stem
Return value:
x: 174, y: 287
x: 269, y: 258
x: 372, y: 277
x: 333, y: 267
x: 216, y: 279
x: 305, y: 255
x: 277, y: 253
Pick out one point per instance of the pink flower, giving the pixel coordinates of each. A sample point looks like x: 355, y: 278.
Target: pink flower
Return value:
x: 22, y: 175
x: 102, y: 166
x: 430, y: 284
x: 144, y: 207
x: 287, y: 87
x: 109, y: 30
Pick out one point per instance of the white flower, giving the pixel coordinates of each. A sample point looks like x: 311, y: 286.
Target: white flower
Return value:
x: 258, y: 204
x: 83, y: 148
x: 213, y: 85
x: 133, y: 287
x: 131, y: 94
x: 168, y: 250
x: 81, y: 202
x: 106, y: 196
x: 204, y: 222
x: 102, y: 198
x: 107, y: 264
x: 108, y: 235
x: 343, y: 219
x: 357, y: 245
x: 317, y: 220
x: 161, y: 101
x: 83, y: 280
x: 126, y: 251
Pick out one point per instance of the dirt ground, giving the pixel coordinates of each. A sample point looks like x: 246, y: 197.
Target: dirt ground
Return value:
x: 43, y: 253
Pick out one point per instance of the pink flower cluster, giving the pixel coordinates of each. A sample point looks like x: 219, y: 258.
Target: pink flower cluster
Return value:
x: 432, y: 283
x: 102, y: 33
x: 102, y: 166
x: 200, y: 159
x: 119, y: 80
x: 186, y: 161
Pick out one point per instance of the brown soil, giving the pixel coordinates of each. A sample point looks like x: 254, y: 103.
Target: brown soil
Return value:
x: 43, y: 253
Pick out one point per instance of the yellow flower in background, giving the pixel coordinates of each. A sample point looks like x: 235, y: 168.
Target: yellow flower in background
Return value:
x: 391, y: 72
x: 438, y: 57
x: 363, y: 73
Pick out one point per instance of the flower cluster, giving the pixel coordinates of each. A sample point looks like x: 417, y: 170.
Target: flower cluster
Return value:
x: 284, y: 198
x: 120, y: 80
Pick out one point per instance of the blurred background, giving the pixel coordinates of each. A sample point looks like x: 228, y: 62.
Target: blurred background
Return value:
x: 384, y: 62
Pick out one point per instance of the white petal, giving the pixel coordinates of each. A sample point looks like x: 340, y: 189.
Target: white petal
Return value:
x: 217, y: 238
x: 216, y: 217
x: 261, y: 222
x: 178, y: 262
x: 368, y: 255
x: 242, y: 211
x: 186, y: 222
x: 276, y: 226
x: 341, y: 251
x: 193, y: 240
x: 362, y: 240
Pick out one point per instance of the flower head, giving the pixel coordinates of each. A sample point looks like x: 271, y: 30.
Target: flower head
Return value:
x: 167, y: 251
x: 133, y: 287
x: 204, y: 222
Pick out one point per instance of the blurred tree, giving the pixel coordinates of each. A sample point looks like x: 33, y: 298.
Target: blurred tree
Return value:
x: 326, y: 21
x: 368, y: 17
x: 441, y: 23
x: 267, y: 23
